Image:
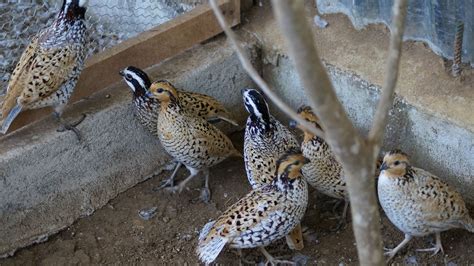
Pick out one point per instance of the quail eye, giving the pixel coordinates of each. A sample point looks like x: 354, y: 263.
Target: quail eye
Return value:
x: 160, y: 90
x: 396, y: 163
x: 128, y: 77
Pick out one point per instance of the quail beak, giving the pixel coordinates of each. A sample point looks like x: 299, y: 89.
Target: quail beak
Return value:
x: 149, y: 94
x: 293, y: 124
x: 121, y: 73
x: 384, y: 166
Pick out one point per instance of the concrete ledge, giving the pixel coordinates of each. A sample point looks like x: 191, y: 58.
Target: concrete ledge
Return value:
x: 48, y: 180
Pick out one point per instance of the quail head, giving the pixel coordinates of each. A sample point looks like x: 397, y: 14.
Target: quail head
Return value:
x: 188, y: 138
x: 419, y: 203
x: 147, y: 108
x: 264, y: 215
x: 49, y: 68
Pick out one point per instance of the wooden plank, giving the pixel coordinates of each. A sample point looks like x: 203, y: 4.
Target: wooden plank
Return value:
x: 146, y: 49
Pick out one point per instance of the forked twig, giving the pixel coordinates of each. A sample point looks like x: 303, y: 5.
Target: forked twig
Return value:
x: 247, y: 65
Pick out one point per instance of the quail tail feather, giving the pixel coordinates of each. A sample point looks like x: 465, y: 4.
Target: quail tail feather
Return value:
x: 228, y: 120
x: 209, y: 250
x: 10, y: 117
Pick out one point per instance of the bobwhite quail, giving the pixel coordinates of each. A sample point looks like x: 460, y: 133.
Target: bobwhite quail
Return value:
x: 265, y: 141
x: 264, y: 215
x: 188, y: 138
x: 49, y: 68
x: 146, y: 109
x: 418, y: 203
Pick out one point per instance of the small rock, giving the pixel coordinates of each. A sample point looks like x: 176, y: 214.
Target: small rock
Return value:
x: 166, y: 219
x: 320, y: 22
x: 147, y: 214
x: 411, y: 260
x: 187, y: 237
x: 107, y: 96
x: 300, y: 259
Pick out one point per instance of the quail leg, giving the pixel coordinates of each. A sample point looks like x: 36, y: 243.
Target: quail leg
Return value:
x: 271, y: 260
x: 437, y: 248
x: 69, y: 126
x: 342, y: 219
x: 392, y: 252
x: 169, y: 182
x: 179, y: 188
x: 205, y: 191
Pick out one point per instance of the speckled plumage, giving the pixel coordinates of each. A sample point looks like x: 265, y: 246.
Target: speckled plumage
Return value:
x: 265, y: 140
x: 264, y: 215
x: 419, y: 203
x: 146, y: 109
x: 323, y: 172
x: 188, y: 138
x: 49, y: 67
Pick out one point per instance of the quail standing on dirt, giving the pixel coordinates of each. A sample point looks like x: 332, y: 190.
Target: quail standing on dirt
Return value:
x: 266, y: 214
x: 419, y: 203
x: 324, y: 172
x: 146, y: 108
x: 49, y: 68
x: 188, y: 138
x: 265, y: 141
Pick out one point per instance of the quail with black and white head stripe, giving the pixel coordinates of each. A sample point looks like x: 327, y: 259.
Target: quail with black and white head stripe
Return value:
x: 49, y: 68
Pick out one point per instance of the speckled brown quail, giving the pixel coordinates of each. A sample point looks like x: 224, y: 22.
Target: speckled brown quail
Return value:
x: 265, y: 141
x: 266, y: 214
x: 324, y: 172
x: 49, y: 68
x: 146, y: 108
x: 419, y: 203
x: 188, y: 138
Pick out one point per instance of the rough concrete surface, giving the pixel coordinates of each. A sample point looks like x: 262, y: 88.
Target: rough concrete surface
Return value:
x: 48, y: 179
x: 432, y: 119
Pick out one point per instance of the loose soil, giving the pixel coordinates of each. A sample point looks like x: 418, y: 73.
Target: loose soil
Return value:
x: 116, y: 234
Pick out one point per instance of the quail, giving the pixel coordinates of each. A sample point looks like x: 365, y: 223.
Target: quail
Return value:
x: 188, y: 138
x: 265, y: 141
x: 324, y: 172
x: 419, y: 203
x: 147, y: 108
x: 48, y: 69
x: 264, y: 215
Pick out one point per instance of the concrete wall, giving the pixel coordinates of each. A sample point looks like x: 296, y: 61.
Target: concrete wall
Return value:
x: 48, y: 180
x: 433, y: 143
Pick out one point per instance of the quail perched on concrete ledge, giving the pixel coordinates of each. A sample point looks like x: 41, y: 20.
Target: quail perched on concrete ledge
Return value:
x: 265, y: 141
x: 188, y: 138
x: 49, y: 67
x: 266, y: 214
x: 419, y: 203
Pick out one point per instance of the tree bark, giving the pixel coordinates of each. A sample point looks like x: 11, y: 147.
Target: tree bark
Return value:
x: 356, y: 154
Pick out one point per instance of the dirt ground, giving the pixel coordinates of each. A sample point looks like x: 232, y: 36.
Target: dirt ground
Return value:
x: 116, y: 234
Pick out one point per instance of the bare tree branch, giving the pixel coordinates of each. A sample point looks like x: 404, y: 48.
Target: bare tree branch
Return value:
x: 346, y: 143
x: 356, y: 154
x: 247, y: 65
x: 391, y: 74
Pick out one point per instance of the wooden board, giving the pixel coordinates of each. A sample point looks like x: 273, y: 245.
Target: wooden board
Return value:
x: 144, y: 50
